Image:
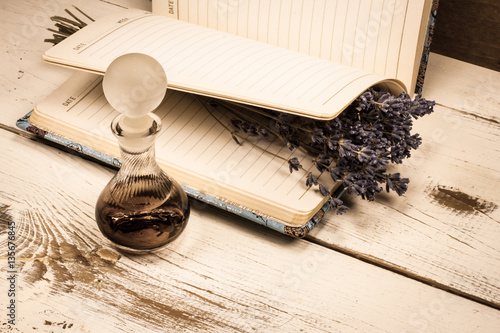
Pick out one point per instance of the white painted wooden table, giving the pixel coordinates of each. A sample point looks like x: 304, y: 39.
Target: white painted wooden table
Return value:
x: 426, y: 262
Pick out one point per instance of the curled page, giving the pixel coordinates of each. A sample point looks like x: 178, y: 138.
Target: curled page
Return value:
x: 208, y: 62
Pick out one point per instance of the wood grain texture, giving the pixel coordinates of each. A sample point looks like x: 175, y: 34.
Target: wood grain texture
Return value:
x: 223, y: 274
x: 466, y: 88
x: 25, y: 78
x: 446, y: 229
x: 469, y: 31
x: 226, y: 274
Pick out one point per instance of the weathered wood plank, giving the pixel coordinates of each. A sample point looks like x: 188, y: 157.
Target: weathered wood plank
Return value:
x: 446, y: 229
x: 464, y: 87
x: 25, y: 78
x: 445, y: 252
x: 223, y: 274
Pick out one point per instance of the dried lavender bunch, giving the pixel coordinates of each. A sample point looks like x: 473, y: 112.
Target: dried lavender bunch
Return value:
x: 354, y: 148
x: 65, y: 26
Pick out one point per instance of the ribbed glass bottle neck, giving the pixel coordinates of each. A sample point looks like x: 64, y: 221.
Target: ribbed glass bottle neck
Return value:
x: 139, y: 163
x: 137, y: 150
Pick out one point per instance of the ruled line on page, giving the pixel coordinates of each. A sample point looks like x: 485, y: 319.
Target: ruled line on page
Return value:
x: 401, y: 39
x: 256, y: 60
x: 390, y: 34
x: 330, y: 57
x: 167, y: 104
x: 257, y: 19
x: 311, y: 29
x: 245, y: 157
x: 171, y: 122
x: 91, y: 103
x: 93, y: 86
x: 258, y: 73
x: 198, y: 11
x: 322, y: 26
x: 300, y: 83
x: 268, y: 21
x: 96, y: 82
x: 301, y: 182
x: 313, y: 75
x: 379, y: 29
x: 187, y: 129
x: 343, y: 35
x: 366, y: 34
x: 284, y: 162
x: 345, y: 86
x: 339, y: 79
x: 207, y: 19
x: 237, y: 23
x: 285, y: 180
x: 325, y: 73
x: 220, y: 145
x: 99, y: 110
x: 277, y: 73
x: 353, y: 45
x: 185, y: 63
x: 221, y: 53
x: 172, y: 134
x: 191, y: 41
x: 159, y: 46
x: 92, y: 43
x: 191, y: 46
x: 263, y: 21
x: 162, y: 106
x: 262, y: 152
x: 336, y: 42
x: 218, y: 131
x: 130, y: 34
x: 154, y: 36
x: 287, y: 67
x: 197, y: 130
x: 228, y: 56
x: 187, y: 151
x: 221, y: 151
x: 195, y: 114
x: 221, y: 132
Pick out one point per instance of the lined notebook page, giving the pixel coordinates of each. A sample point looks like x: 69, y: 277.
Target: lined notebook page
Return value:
x: 365, y: 34
x: 194, y: 147
x: 220, y: 65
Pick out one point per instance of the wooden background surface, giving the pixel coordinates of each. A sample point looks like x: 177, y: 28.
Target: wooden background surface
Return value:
x: 426, y: 262
x: 469, y: 31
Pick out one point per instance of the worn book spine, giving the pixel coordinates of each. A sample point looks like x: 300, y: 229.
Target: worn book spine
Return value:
x: 297, y: 232
x: 427, y: 47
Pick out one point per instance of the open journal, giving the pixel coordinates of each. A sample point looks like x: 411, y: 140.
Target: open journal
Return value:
x: 252, y: 65
x: 208, y: 62
x: 196, y: 148
x: 380, y: 36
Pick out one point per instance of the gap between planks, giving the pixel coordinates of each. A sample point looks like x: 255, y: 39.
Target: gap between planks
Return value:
x: 470, y: 114
x: 400, y: 271
x: 36, y: 138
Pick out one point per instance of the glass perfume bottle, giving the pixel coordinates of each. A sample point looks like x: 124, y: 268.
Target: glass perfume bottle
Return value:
x: 141, y: 209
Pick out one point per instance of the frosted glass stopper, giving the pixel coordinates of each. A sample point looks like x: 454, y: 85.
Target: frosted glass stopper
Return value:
x: 135, y: 84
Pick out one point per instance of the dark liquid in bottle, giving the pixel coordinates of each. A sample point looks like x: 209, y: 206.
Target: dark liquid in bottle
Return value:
x: 144, y: 222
